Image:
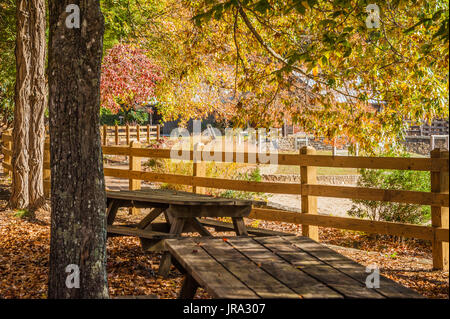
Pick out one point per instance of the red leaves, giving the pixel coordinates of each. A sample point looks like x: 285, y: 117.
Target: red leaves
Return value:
x: 128, y: 77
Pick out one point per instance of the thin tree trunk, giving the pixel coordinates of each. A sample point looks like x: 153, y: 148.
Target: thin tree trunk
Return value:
x: 78, y: 223
x: 19, y: 196
x: 37, y: 104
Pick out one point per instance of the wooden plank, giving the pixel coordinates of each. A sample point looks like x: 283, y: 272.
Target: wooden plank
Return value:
x: 6, y: 151
x: 134, y: 164
x: 417, y: 164
x: 188, y: 288
x: 146, y: 221
x: 195, y: 223
x: 388, y: 288
x: 219, y: 283
x: 262, y: 187
x: 295, y: 279
x: 370, y: 226
x: 7, y: 137
x: 308, y: 202
x: 189, y: 210
x: 175, y: 198
x: 116, y: 150
x: 7, y: 166
x: 111, y: 213
x: 175, y: 229
x: 400, y: 196
x: 420, y: 164
x: 136, y: 232
x: 385, y: 195
x: 239, y: 226
x: 338, y: 281
x: 263, y: 284
x: 223, y: 226
x: 440, y: 214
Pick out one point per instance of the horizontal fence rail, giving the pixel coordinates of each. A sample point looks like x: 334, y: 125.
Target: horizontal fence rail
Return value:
x: 308, y: 189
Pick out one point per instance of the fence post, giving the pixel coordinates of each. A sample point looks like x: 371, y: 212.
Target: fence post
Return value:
x: 135, y: 165
x: 148, y: 133
x: 46, y: 175
x: 127, y: 129
x: 158, y: 131
x: 309, y: 203
x: 198, y: 167
x: 439, y: 215
x: 334, y: 151
x: 138, y: 133
x: 105, y: 134
x: 116, y: 134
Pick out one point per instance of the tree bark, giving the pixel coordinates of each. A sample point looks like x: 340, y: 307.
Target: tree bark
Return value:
x: 38, y: 101
x: 30, y: 100
x: 78, y: 222
x: 19, y: 195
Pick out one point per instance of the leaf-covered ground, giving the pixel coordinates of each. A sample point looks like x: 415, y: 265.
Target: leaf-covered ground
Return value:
x: 24, y: 251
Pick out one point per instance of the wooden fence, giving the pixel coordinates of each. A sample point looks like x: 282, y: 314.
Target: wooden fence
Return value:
x: 118, y: 135
x: 308, y: 161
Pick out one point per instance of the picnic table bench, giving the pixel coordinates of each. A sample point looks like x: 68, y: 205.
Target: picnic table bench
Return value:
x: 273, y: 267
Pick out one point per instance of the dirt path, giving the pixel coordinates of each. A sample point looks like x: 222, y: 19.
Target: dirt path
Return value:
x: 325, y: 205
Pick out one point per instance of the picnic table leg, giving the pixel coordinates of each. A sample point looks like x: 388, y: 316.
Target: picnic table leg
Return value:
x: 166, y: 260
x: 189, y: 288
x: 146, y: 222
x: 113, y: 207
x: 239, y: 226
x: 199, y: 227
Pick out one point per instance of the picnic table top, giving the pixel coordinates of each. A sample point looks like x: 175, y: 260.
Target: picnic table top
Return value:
x: 276, y: 267
x: 172, y: 197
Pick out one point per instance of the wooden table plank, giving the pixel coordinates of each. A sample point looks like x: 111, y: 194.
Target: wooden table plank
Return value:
x: 298, y: 281
x: 245, y: 270
x: 136, y: 232
x: 211, y: 275
x: 388, y: 287
x: 223, y: 226
x: 175, y: 197
x: 314, y: 267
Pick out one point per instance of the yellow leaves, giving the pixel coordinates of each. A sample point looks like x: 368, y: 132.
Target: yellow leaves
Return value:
x: 315, y: 70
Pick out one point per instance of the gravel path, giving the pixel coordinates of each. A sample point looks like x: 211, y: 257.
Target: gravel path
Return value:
x: 325, y: 205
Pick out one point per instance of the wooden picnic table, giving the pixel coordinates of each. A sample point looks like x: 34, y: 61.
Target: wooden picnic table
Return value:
x: 273, y: 267
x: 182, y: 211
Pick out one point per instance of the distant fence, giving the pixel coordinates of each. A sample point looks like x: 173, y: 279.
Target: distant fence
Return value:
x: 308, y: 189
x: 119, y: 135
x: 436, y: 127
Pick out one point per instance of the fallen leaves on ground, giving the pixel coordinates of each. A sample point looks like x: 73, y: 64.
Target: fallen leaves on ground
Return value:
x: 24, y: 251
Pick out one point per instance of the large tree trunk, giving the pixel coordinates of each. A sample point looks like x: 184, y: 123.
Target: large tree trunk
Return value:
x: 30, y: 99
x: 38, y: 98
x: 19, y: 196
x: 78, y: 223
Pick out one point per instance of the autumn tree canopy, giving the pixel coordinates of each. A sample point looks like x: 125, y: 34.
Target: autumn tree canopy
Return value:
x: 320, y: 63
x: 315, y: 62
